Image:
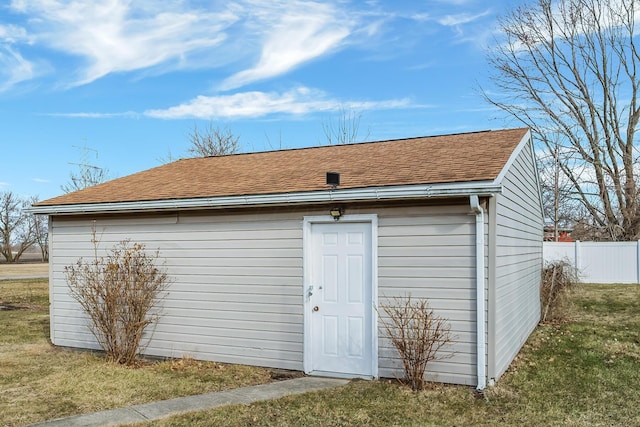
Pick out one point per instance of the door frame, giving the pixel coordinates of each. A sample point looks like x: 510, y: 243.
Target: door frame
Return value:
x: 307, y: 256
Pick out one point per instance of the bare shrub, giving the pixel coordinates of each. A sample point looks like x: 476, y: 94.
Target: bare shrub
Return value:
x: 417, y: 333
x: 118, y: 293
x: 558, y: 278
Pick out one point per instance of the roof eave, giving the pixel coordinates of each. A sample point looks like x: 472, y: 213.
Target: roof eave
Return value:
x: 421, y: 191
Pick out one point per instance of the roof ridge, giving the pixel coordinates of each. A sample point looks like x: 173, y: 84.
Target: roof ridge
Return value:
x: 317, y: 147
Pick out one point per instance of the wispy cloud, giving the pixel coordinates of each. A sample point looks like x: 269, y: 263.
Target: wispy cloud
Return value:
x: 10, y: 33
x: 118, y: 35
x: 301, y: 100
x: 14, y: 68
x: 42, y: 180
x: 421, y: 17
x: 461, y: 18
x: 469, y: 27
x: 249, y: 40
x: 294, y: 33
x: 111, y: 36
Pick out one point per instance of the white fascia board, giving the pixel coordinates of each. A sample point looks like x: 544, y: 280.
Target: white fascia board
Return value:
x: 422, y: 191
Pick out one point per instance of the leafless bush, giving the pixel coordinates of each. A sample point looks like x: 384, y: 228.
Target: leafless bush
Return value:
x: 417, y: 333
x: 558, y: 278
x: 118, y: 293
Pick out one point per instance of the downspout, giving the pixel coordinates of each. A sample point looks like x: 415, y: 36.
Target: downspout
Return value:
x: 480, y: 306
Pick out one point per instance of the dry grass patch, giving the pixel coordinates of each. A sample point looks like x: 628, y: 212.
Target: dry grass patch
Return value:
x: 25, y: 294
x: 39, y: 381
x: 26, y: 269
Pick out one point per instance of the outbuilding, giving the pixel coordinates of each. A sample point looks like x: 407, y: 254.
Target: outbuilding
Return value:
x: 280, y: 258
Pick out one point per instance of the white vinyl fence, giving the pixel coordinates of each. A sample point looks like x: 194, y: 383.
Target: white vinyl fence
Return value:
x: 598, y: 262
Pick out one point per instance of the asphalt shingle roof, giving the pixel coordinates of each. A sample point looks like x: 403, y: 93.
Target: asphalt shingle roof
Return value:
x: 477, y: 156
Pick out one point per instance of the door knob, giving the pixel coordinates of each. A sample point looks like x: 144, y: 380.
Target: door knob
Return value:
x: 316, y: 308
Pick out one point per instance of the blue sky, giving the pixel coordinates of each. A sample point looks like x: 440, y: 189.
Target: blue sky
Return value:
x: 131, y: 78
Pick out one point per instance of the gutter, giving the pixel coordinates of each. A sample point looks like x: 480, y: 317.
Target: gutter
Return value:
x: 480, y: 305
x: 305, y: 197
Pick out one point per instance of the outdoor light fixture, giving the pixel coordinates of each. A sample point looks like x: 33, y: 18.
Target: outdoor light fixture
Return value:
x: 335, y: 213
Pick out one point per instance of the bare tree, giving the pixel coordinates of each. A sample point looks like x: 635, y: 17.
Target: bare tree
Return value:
x: 345, y: 130
x: 88, y: 174
x: 568, y: 69
x: 272, y: 146
x: 561, y: 208
x: 16, y: 232
x: 212, y: 141
x: 40, y: 226
x: 166, y: 159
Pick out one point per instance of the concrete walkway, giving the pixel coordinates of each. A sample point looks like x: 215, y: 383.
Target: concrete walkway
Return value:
x: 164, y: 408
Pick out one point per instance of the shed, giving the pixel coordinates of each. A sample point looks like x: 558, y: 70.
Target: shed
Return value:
x: 263, y: 274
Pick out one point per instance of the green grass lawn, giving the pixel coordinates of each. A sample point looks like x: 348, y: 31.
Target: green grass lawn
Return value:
x: 582, y: 373
x: 39, y: 381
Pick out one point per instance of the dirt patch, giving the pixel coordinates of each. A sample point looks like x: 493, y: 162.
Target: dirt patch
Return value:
x: 284, y: 374
x: 10, y: 307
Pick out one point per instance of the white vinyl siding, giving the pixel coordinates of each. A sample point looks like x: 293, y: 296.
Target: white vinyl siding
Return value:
x: 429, y: 252
x: 237, y: 293
x: 518, y: 261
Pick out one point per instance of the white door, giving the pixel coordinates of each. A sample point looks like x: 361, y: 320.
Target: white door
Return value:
x: 341, y: 299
